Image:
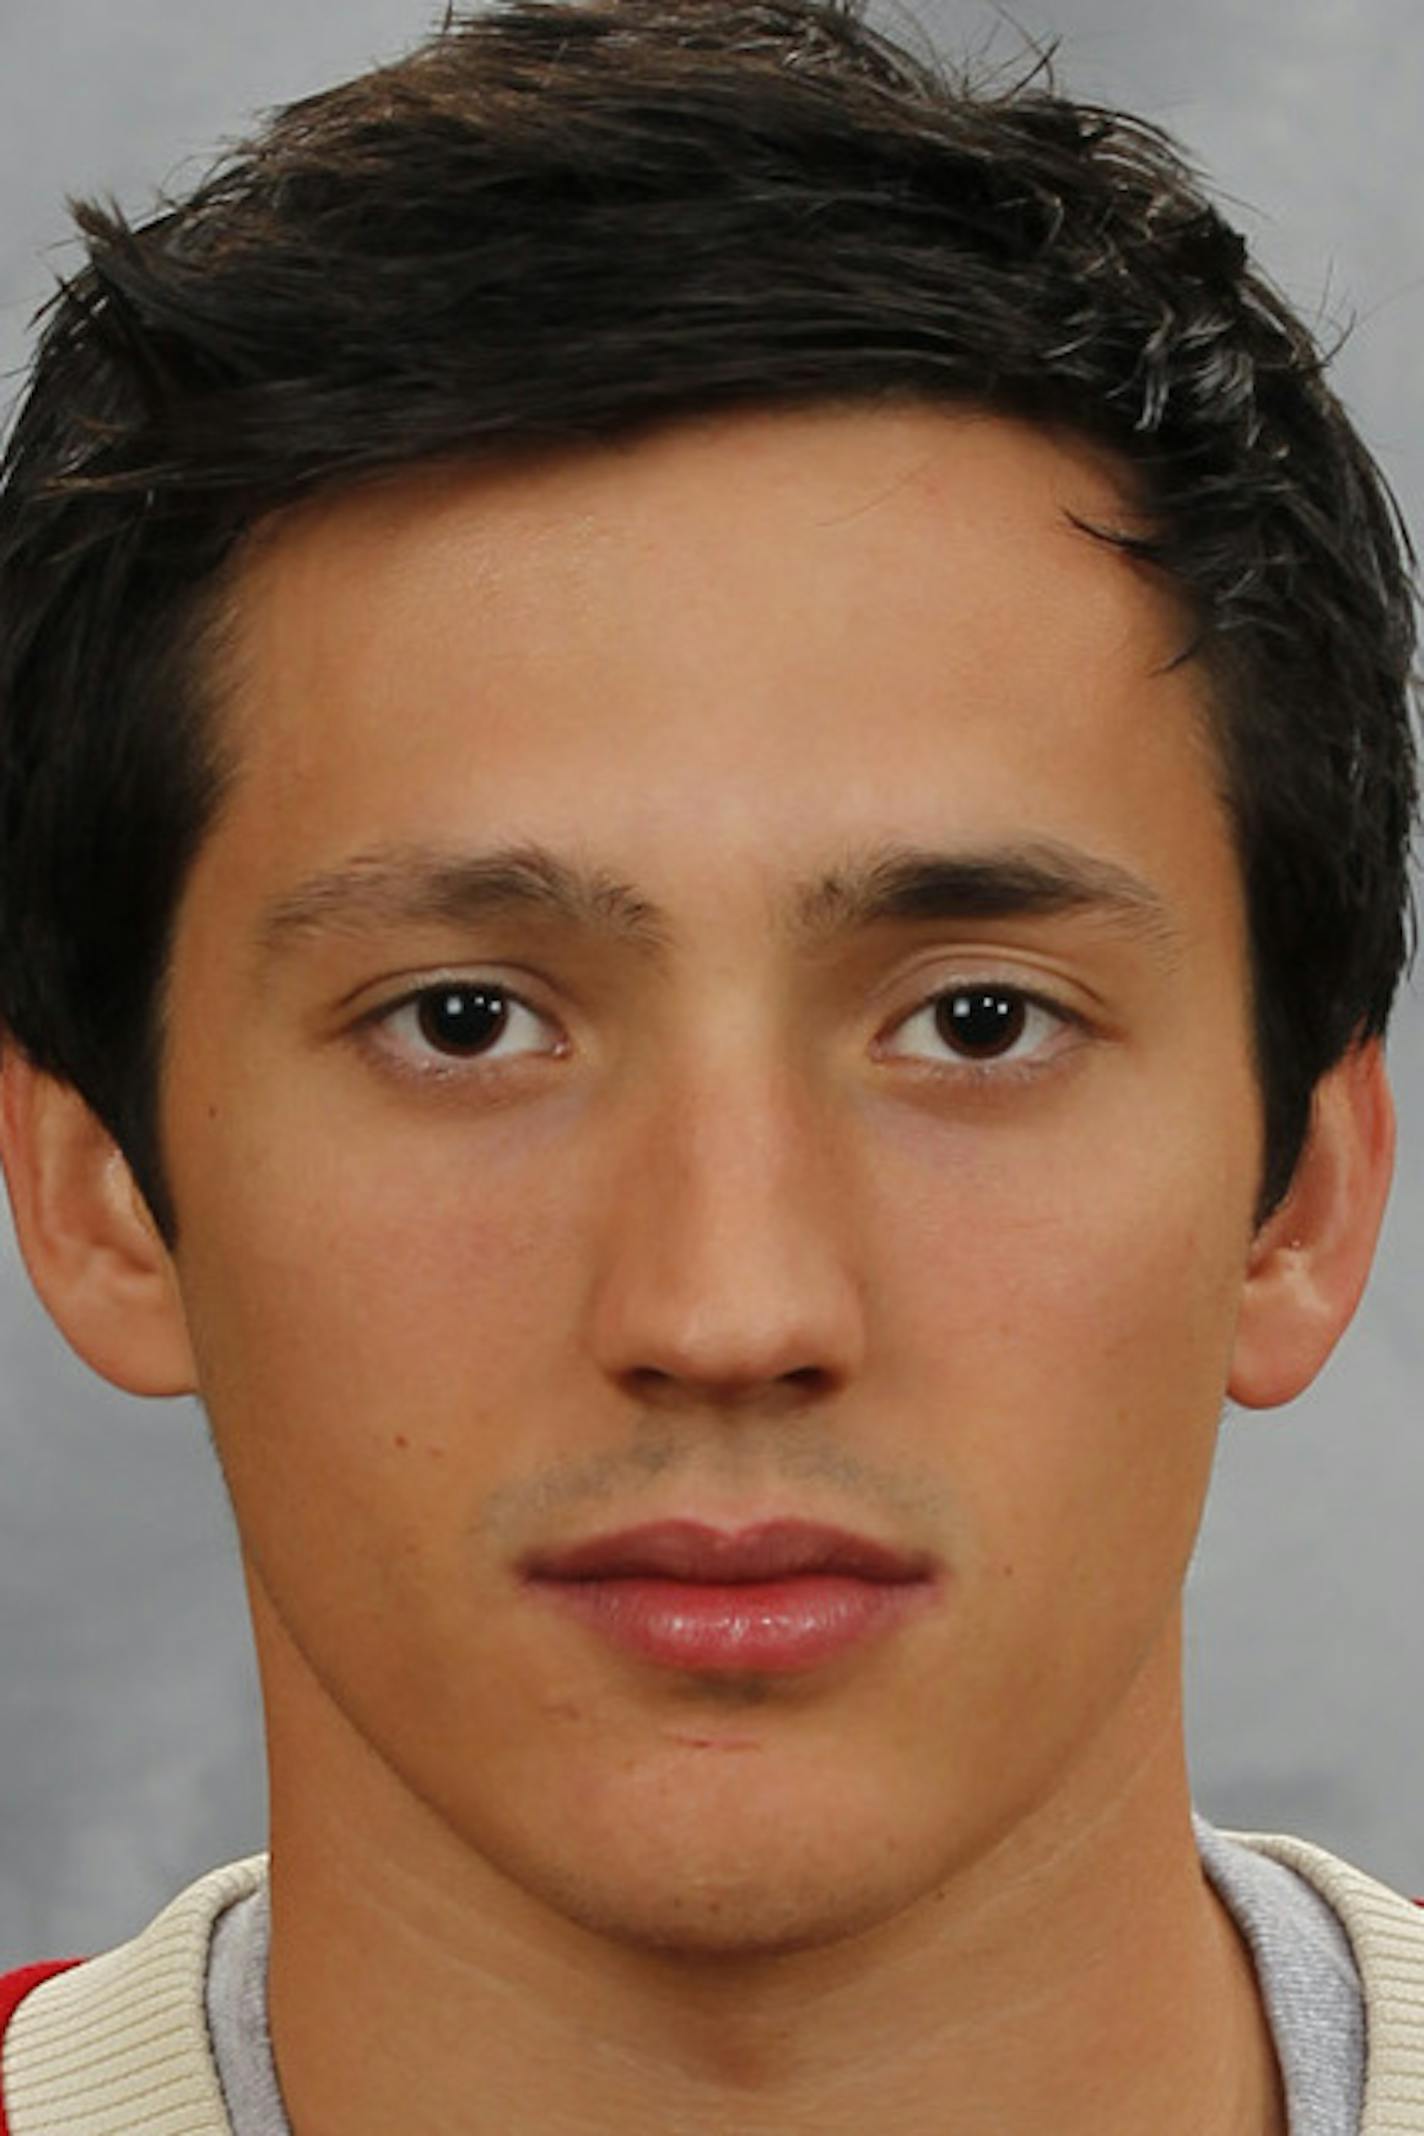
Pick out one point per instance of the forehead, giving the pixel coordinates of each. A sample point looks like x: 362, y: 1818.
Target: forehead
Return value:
x: 767, y: 636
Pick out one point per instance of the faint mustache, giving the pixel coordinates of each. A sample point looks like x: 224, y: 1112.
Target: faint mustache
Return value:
x: 789, y: 1452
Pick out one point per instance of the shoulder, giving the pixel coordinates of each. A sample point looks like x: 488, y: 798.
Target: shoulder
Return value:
x: 118, y: 2044
x: 1386, y: 1935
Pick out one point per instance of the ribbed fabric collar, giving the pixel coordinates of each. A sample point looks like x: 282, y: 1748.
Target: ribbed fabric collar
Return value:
x: 119, y: 2046
x: 1386, y: 1933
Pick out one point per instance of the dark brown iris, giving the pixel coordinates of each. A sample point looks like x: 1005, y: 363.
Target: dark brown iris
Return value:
x: 462, y: 1019
x: 980, y: 1020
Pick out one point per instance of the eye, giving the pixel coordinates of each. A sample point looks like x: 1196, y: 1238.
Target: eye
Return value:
x: 461, y: 1020
x: 982, y: 1024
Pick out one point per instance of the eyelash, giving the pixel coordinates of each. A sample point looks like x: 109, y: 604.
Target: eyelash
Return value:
x: 990, y: 1068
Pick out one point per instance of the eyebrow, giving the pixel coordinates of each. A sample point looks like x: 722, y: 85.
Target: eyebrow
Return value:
x: 394, y: 886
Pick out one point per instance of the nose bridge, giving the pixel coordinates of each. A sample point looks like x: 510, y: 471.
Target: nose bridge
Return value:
x: 729, y: 1263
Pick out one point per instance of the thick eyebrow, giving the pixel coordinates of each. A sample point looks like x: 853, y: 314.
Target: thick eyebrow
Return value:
x: 1039, y: 878
x: 895, y: 884
x: 412, y: 885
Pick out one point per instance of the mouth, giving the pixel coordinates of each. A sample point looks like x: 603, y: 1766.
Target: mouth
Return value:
x: 783, y: 1596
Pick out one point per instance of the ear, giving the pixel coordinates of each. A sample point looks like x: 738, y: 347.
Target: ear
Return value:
x: 1309, y: 1260
x: 92, y: 1249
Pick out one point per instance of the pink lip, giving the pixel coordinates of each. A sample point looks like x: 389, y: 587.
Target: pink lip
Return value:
x: 780, y: 1596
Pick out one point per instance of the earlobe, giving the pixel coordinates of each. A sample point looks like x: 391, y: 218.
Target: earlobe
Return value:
x: 92, y: 1249
x: 1309, y: 1261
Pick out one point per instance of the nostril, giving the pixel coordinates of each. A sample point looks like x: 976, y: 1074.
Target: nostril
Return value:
x: 773, y: 1393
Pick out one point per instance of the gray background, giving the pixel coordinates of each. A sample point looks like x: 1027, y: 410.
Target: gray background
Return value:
x: 130, y: 1748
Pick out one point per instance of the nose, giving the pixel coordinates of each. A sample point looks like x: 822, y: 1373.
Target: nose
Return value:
x: 729, y: 1274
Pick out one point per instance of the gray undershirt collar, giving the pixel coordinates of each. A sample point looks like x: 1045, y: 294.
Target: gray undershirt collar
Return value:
x: 1309, y: 1982
x: 237, y: 2017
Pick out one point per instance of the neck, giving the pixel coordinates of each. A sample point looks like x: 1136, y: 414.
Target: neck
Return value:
x: 1080, y: 1976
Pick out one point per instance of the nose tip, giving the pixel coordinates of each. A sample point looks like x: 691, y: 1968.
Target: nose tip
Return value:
x: 729, y: 1275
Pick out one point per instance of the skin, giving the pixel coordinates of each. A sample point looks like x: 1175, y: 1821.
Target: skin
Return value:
x: 726, y: 1231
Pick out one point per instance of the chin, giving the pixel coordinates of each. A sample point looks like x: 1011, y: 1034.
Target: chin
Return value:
x: 734, y: 1914
x: 738, y: 1869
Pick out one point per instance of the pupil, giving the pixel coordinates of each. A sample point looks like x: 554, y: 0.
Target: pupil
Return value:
x: 981, y: 1022
x: 461, y: 1019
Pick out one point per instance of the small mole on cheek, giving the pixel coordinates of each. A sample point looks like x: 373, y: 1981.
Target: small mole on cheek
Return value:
x: 402, y: 1441
x: 717, y: 1742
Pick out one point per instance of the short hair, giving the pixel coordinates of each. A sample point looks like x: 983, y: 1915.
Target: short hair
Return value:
x: 555, y: 224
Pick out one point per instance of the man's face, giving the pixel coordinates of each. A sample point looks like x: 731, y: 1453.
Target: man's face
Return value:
x: 849, y: 1117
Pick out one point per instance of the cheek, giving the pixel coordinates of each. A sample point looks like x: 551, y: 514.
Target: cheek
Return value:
x: 352, y: 1305
x: 377, y: 1342
x: 1069, y: 1304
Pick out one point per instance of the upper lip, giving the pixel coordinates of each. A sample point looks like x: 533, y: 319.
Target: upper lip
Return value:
x: 689, y: 1550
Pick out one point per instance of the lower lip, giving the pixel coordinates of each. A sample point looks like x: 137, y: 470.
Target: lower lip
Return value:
x: 755, y: 1625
